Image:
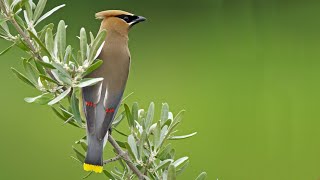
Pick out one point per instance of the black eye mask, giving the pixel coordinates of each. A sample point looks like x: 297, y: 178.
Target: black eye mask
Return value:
x: 128, y: 18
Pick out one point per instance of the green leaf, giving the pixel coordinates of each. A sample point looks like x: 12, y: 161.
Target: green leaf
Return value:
x: 183, y: 168
x: 7, y: 49
x: 79, y: 155
x: 39, y: 9
x: 93, y: 67
x: 89, y: 82
x: 164, y: 164
x: 62, y: 78
x: 75, y: 108
x: 133, y: 146
x: 122, y: 144
x: 180, y: 161
x: 43, y: 47
x: 118, y: 119
x: 171, y: 173
x: 119, y: 132
x: 129, y: 117
x: 109, y: 175
x: 88, y: 175
x: 63, y: 71
x: 30, y: 71
x: 68, y: 55
x: 42, y: 99
x: 49, y: 79
x: 97, y: 45
x: 19, y: 21
x: 183, y: 137
x: 49, y: 13
x: 150, y: 115
x: 60, y: 41
x: 83, y: 44
x: 202, y: 176
x: 65, y: 119
x: 22, y: 77
x: 49, y: 41
x: 60, y: 97
x: 135, y: 109
x: 46, y: 65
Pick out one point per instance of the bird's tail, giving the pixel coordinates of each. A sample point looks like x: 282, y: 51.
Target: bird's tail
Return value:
x: 94, y: 156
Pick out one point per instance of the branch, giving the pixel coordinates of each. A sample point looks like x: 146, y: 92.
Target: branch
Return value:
x: 125, y: 157
x: 112, y: 160
x: 25, y: 36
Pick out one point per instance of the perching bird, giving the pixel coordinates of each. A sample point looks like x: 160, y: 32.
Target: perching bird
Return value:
x: 101, y: 101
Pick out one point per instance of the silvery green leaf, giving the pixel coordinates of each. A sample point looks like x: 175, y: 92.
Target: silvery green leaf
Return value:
x: 133, y: 146
x: 139, y: 127
x: 141, y: 113
x: 96, y: 45
x: 170, y: 116
x: 91, y: 39
x: 182, y: 169
x: 89, y: 82
x: 22, y: 77
x: 26, y: 18
x: 180, y: 161
x: 29, y: 13
x: 157, y: 135
x: 141, y: 145
x: 7, y: 49
x: 163, y: 164
x: 182, y: 137
x: 164, y: 153
x: 19, y: 21
x: 68, y: 54
x: 44, y: 64
x: 57, y: 113
x: 149, y: 117
x: 60, y: 97
x: 83, y: 44
x: 14, y: 4
x: 60, y: 40
x: 49, y: 13
x: 171, y: 173
x: 118, y: 119
x: 75, y: 108
x: 99, y: 50
x: 164, y: 113
x: 5, y: 27
x: 93, y: 67
x: 39, y: 9
x: 163, y: 134
x: 49, y: 41
x: 202, y: 176
x: 61, y: 69
x: 42, y: 99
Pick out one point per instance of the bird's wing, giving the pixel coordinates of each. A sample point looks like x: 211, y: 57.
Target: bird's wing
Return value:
x: 91, y: 97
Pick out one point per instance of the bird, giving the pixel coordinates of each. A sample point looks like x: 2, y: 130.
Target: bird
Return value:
x: 101, y: 101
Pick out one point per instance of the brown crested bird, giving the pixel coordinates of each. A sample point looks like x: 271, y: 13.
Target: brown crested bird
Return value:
x: 101, y: 101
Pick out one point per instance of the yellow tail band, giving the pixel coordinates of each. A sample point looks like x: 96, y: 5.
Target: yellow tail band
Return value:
x: 95, y: 168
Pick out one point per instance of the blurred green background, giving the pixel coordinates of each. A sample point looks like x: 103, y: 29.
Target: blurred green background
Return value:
x: 246, y: 71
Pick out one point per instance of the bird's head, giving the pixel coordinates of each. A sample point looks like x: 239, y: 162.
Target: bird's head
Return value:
x: 119, y: 21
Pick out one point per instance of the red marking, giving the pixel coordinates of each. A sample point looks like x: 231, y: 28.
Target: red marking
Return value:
x: 109, y: 110
x: 90, y: 104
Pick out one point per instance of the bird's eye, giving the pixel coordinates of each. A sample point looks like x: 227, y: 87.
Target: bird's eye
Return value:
x: 126, y: 18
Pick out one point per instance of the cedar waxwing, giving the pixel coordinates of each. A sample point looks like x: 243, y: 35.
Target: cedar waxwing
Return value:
x: 101, y: 101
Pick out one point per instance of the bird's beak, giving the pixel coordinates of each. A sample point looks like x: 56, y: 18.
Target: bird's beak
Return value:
x: 139, y: 19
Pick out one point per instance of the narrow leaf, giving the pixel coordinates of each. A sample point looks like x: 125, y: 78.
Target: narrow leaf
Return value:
x: 133, y: 146
x: 93, y: 67
x: 96, y: 45
x: 43, y: 47
x: 83, y: 44
x: 202, y: 176
x: 60, y: 97
x: 49, y: 13
x: 75, y: 108
x: 7, y: 49
x: 171, y: 173
x: 163, y: 164
x: 39, y: 9
x: 79, y: 155
x: 61, y: 39
x: 49, y: 41
x: 129, y: 117
x: 180, y: 161
x: 150, y: 115
x: 183, y: 137
x: 22, y: 77
x: 42, y: 99
x: 89, y: 82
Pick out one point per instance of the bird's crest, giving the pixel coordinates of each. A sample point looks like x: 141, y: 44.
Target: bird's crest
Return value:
x: 111, y: 13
